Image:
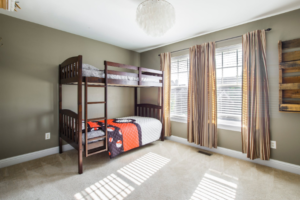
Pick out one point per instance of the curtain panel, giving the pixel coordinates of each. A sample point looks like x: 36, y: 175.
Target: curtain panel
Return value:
x: 165, y: 66
x: 202, y: 102
x: 255, y: 105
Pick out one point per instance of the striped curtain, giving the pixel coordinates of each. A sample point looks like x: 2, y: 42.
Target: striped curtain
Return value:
x: 255, y: 106
x: 165, y: 66
x: 202, y: 102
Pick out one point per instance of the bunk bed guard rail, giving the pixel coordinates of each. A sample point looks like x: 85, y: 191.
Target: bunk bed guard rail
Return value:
x: 149, y: 110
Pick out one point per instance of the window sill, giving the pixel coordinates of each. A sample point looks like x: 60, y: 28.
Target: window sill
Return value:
x: 179, y: 120
x: 229, y: 127
x: 220, y: 125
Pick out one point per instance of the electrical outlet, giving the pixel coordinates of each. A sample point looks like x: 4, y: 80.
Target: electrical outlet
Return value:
x: 273, y: 144
x: 47, y: 136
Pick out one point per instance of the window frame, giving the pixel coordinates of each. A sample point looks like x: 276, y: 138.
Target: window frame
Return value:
x: 228, y: 124
x: 221, y: 124
x: 179, y: 118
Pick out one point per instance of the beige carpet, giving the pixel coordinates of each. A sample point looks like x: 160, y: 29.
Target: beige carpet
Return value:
x: 162, y: 170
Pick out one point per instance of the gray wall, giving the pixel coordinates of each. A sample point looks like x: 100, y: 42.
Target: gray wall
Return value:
x: 285, y: 127
x: 29, y: 83
x: 29, y: 63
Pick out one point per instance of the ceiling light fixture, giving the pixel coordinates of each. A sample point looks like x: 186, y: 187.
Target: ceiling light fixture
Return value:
x: 155, y: 17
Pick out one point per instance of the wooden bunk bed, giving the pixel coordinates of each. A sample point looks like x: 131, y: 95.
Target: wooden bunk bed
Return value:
x: 70, y: 123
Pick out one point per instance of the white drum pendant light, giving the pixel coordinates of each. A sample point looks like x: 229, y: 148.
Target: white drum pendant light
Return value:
x: 155, y: 17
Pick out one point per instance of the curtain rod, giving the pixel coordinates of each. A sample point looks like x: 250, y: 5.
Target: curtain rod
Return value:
x: 268, y: 29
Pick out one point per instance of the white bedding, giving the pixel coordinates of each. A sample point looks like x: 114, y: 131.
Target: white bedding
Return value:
x: 91, y: 71
x: 151, y: 129
x: 92, y: 134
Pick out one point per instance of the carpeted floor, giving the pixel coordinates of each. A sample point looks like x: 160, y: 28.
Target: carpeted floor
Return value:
x: 161, y: 170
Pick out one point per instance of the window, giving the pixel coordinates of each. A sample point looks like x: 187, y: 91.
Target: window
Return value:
x: 179, y: 87
x: 229, y: 86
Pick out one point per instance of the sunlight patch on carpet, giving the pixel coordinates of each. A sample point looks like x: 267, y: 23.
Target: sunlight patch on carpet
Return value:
x: 111, y: 187
x: 143, y: 168
x: 215, y: 187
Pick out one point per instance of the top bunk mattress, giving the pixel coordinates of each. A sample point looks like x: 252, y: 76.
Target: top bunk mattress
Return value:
x: 91, y: 71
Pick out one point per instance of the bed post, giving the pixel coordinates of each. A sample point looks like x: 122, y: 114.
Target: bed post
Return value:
x: 86, y: 114
x: 60, y: 108
x: 135, y: 101
x: 105, y: 99
x: 79, y: 101
x: 162, y: 137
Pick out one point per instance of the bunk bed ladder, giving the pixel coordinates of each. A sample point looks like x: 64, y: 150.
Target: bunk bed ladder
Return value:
x: 91, y: 149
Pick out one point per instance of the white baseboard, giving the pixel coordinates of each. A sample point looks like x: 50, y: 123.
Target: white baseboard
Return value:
x: 239, y: 155
x: 228, y: 152
x: 32, y: 156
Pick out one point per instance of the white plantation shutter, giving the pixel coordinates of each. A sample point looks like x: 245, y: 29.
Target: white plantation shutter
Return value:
x: 229, y: 85
x: 179, y: 87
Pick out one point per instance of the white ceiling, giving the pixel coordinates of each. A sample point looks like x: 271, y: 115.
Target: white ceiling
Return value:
x: 113, y: 21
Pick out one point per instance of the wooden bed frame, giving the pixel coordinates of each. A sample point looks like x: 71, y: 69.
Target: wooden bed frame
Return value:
x: 70, y: 123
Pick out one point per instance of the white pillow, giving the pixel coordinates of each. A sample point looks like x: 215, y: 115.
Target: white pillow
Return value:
x: 89, y: 67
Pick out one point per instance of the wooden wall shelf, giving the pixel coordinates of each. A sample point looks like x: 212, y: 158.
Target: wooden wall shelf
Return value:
x: 6, y: 5
x: 289, y: 76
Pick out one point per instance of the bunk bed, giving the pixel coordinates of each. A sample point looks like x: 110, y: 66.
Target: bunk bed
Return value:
x: 76, y: 131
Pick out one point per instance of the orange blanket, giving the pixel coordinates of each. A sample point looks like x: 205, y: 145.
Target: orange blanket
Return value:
x: 123, y: 134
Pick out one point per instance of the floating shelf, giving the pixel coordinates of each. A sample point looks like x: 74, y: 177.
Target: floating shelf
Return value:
x: 289, y: 76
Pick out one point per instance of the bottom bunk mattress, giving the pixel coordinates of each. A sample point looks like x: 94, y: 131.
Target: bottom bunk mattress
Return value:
x: 126, y: 133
